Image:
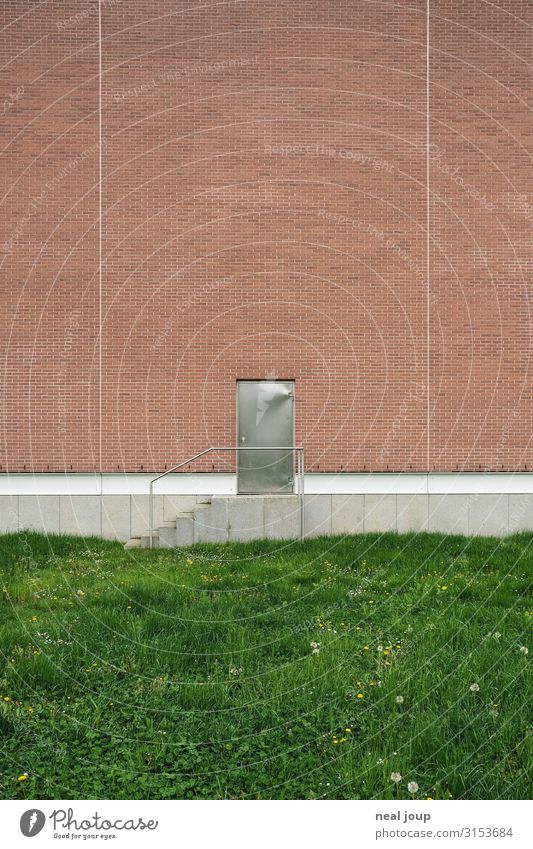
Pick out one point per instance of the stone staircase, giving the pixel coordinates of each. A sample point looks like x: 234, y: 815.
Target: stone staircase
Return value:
x: 227, y: 518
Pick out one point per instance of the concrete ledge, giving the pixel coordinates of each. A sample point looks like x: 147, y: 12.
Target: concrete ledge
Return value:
x: 39, y: 513
x: 411, y: 513
x: 116, y: 517
x: 316, y: 483
x: 448, y: 514
x: 80, y: 515
x: 380, y: 513
x: 282, y: 517
x: 9, y: 513
x: 317, y: 515
x: 488, y: 515
x: 520, y: 512
x: 347, y: 514
x: 140, y: 513
x: 120, y: 517
x: 245, y: 518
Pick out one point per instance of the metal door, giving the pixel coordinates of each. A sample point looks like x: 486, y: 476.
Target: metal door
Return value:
x: 265, y: 417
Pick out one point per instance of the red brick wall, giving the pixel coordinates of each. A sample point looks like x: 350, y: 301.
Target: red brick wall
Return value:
x: 481, y: 235
x: 48, y: 238
x: 265, y: 214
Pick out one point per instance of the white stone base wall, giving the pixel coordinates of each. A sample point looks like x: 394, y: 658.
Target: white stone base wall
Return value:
x: 121, y: 517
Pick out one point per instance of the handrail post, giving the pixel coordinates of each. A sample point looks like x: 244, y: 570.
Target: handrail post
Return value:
x: 299, y: 479
x: 302, y: 493
x: 151, y: 514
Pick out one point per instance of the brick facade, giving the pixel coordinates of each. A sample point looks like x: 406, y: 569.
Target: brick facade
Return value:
x: 264, y: 213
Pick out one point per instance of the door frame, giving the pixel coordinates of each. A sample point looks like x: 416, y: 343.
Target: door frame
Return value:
x: 265, y: 380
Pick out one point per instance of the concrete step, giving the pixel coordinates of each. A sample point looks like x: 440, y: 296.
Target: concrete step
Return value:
x: 145, y: 540
x: 186, y: 521
x: 246, y: 517
x: 289, y: 497
x: 225, y: 518
x: 210, y: 521
x: 167, y: 536
x: 184, y: 531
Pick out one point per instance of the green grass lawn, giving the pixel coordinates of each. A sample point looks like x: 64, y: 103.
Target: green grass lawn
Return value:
x: 266, y: 670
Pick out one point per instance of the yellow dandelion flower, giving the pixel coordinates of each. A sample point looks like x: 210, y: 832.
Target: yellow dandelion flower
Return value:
x: 360, y: 696
x: 23, y: 777
x: 444, y: 588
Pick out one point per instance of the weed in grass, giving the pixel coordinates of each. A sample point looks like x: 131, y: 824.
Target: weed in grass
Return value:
x: 357, y: 667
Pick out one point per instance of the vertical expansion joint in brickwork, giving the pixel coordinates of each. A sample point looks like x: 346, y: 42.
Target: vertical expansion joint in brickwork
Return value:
x: 100, y: 246
x: 428, y: 235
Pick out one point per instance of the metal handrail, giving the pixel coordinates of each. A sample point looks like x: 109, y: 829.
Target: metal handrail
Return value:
x: 299, y: 476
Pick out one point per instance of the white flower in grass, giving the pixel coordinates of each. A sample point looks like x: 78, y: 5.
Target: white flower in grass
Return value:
x: 315, y: 648
x: 399, y: 700
x: 412, y: 787
x: 396, y: 777
x: 496, y: 635
x: 474, y: 688
x: 524, y: 649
